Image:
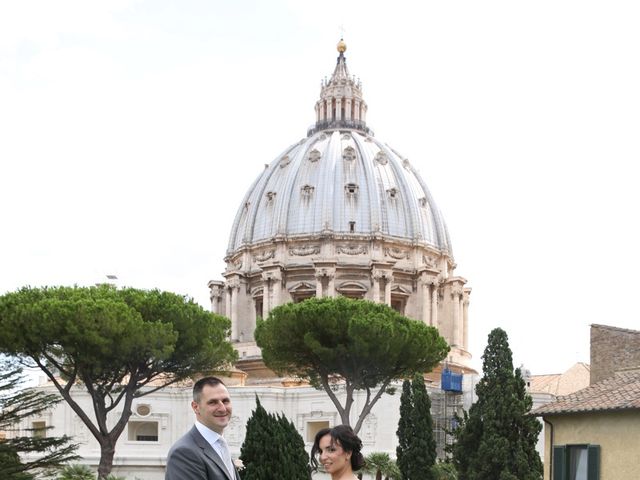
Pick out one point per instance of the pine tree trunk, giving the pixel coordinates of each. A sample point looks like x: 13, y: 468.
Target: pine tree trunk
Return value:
x: 107, y: 451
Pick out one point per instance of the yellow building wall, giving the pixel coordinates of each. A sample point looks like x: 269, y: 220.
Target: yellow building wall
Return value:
x: 617, y: 433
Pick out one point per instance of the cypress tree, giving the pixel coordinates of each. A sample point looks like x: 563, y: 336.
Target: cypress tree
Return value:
x: 405, y: 430
x: 273, y: 448
x: 295, y: 455
x: 425, y: 445
x: 416, y: 450
x: 496, y: 440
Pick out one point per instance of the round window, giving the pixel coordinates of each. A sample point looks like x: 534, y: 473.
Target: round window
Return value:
x: 143, y: 410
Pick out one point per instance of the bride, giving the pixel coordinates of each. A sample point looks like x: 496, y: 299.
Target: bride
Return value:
x: 338, y: 451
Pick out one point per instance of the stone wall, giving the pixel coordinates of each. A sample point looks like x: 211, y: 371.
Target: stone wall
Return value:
x: 613, y: 349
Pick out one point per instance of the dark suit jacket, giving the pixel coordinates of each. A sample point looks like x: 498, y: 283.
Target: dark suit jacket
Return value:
x: 193, y: 458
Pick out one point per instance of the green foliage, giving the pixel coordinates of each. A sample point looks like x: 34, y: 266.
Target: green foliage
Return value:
x: 497, y: 438
x: 382, y: 466
x: 360, y: 344
x: 11, y: 467
x: 113, y: 342
x: 17, y: 404
x: 416, y: 451
x: 405, y: 428
x: 444, y: 471
x: 76, y: 472
x: 273, y: 448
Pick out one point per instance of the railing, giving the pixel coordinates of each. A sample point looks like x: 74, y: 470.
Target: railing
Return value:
x: 335, y: 124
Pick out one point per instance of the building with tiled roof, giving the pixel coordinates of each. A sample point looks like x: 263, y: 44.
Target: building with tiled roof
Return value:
x: 557, y: 384
x: 616, y: 393
x: 594, y: 433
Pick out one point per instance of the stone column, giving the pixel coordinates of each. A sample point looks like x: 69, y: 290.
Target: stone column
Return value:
x: 234, y: 289
x: 376, y: 290
x: 227, y: 301
x: 426, y: 302
x: 266, y: 304
x: 347, y: 109
x: 387, y: 289
x: 216, y: 292
x: 319, y: 276
x: 376, y: 275
x: 465, y: 324
x: 461, y: 321
x: 332, y: 284
x: 356, y: 110
x: 276, y: 283
x: 434, y: 305
x: 455, y: 300
x: 338, y: 109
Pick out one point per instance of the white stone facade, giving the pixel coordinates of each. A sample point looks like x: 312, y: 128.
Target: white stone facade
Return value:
x: 167, y: 415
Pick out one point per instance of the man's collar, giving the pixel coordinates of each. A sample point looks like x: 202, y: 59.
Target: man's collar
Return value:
x: 210, y: 435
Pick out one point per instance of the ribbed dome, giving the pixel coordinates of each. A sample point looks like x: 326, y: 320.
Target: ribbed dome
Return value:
x: 342, y: 182
x: 339, y: 181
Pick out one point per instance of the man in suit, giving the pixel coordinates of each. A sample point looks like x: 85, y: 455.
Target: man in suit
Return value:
x: 202, y: 453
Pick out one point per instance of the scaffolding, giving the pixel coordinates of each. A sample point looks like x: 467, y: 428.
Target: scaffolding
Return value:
x: 446, y: 402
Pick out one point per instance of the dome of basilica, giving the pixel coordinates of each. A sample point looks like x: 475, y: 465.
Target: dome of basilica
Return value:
x: 339, y: 180
x: 341, y: 213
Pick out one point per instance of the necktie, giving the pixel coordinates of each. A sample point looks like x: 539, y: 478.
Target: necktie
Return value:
x: 226, y: 456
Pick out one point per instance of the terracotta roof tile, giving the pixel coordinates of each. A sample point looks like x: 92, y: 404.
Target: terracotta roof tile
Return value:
x: 574, y: 379
x: 619, y: 392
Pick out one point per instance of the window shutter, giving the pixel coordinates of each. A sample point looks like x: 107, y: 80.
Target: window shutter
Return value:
x: 593, y: 462
x: 560, y: 463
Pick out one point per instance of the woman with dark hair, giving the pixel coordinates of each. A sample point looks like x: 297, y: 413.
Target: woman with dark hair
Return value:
x: 338, y: 450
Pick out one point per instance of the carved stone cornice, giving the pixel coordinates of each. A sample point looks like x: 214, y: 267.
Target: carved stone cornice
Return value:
x: 236, y: 263
x: 215, y: 291
x: 304, y: 250
x: 325, y: 273
x: 264, y: 256
x: 397, y: 253
x: 352, y: 249
x: 456, y: 291
x: 378, y: 274
x: 272, y: 275
x: 429, y: 280
x: 430, y: 262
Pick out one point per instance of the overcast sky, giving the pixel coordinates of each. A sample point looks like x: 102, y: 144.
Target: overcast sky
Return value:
x: 130, y: 131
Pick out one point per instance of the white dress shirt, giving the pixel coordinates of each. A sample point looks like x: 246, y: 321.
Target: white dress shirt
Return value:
x: 212, y: 438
